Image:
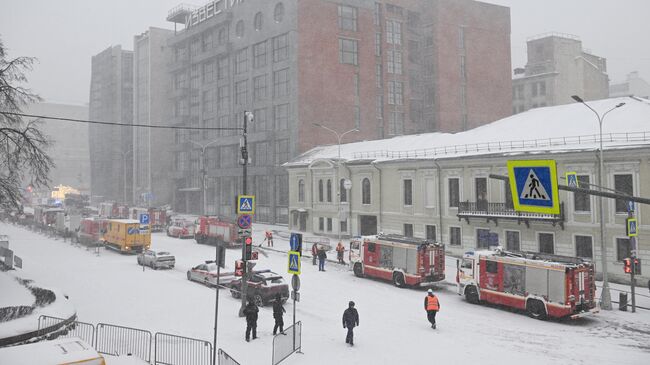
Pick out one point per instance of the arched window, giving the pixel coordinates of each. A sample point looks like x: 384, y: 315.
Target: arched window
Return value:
x: 301, y: 190
x: 365, y: 191
x: 320, y: 190
x: 278, y: 13
x: 329, y: 190
x: 344, y: 193
x: 258, y: 21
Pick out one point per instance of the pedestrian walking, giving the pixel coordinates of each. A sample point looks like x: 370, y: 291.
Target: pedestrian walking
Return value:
x: 269, y: 238
x: 321, y: 259
x: 250, y: 311
x: 314, y: 254
x: 350, y: 320
x: 340, y: 250
x: 432, y: 306
x: 278, y: 311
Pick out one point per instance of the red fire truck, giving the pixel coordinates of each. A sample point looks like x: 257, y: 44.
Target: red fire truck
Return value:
x: 157, y: 217
x: 543, y: 285
x: 213, y: 230
x: 90, y: 231
x: 406, y: 261
x: 113, y: 210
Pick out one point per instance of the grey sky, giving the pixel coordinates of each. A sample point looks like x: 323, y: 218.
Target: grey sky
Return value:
x: 64, y: 34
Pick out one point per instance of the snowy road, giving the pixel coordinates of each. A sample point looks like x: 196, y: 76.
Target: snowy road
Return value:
x: 112, y: 288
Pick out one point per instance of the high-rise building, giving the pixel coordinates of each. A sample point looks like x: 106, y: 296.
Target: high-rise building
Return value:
x: 558, y: 67
x: 385, y: 68
x: 152, y: 156
x: 634, y: 85
x: 111, y: 147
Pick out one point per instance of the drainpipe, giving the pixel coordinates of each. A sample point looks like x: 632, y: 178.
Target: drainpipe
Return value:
x: 439, y: 195
x: 349, y: 196
x: 379, y: 215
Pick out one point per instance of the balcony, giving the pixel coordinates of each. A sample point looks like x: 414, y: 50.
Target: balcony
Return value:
x: 499, y: 211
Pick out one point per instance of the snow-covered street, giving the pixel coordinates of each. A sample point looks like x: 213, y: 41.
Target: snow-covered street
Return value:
x: 112, y: 288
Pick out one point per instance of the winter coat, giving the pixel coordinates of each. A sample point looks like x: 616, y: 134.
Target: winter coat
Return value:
x: 350, y: 318
x: 278, y: 309
x: 322, y: 255
x: 250, y: 311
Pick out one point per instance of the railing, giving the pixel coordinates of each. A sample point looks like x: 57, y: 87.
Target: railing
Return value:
x: 118, y: 340
x: 505, y: 146
x: 181, y: 8
x: 502, y: 210
x: 178, y: 350
x: 284, y: 345
x: 225, y: 359
x: 85, y: 331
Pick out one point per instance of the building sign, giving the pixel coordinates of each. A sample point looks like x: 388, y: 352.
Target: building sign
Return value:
x: 210, y: 10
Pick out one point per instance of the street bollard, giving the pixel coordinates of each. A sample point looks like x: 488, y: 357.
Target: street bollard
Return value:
x: 622, y: 301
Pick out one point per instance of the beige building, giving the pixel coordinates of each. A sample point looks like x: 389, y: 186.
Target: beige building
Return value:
x: 437, y: 185
x: 557, y: 68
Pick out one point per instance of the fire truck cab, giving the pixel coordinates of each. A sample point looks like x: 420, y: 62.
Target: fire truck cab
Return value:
x: 541, y: 284
x: 405, y: 261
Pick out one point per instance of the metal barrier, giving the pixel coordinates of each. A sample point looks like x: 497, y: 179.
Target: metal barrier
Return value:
x: 84, y: 331
x: 224, y: 359
x: 179, y: 350
x: 287, y: 344
x: 118, y: 340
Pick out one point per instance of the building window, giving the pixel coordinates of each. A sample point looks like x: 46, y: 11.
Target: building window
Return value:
x: 281, y: 83
x: 263, y: 155
x: 512, y: 241
x: 546, y: 243
x: 208, y: 101
x: 584, y: 247
x: 258, y: 21
x: 378, y: 44
x: 623, y: 185
x: 408, y: 192
x: 342, y: 191
x: 320, y: 190
x: 396, y: 124
x: 365, y: 191
x: 347, y: 18
x: 208, y: 72
x: 259, y: 90
x: 329, y: 224
x: 482, y: 238
x: 241, y: 61
x: 280, y: 48
x: 344, y: 226
x: 195, y: 47
x: 223, y: 64
x: 278, y: 12
x: 377, y: 20
x: 454, y: 192
x: 394, y: 62
x: 281, y: 151
x: 348, y: 51
x: 582, y: 201
x: 623, y: 249
x: 261, y: 120
x: 329, y: 190
x: 430, y: 232
x: 408, y: 230
x: 454, y: 236
x: 259, y: 55
x: 223, y: 98
x: 281, y: 117
x: 239, y: 29
x: 395, y: 93
x: 380, y: 83
x: 301, y: 190
x: 321, y: 224
x: 393, y: 32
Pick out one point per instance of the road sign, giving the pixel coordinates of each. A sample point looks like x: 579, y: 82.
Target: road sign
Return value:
x: 244, y: 232
x: 293, y: 265
x: 630, y: 206
x: 295, y: 282
x: 295, y: 296
x: 244, y: 221
x: 534, y: 186
x: 295, y: 242
x: 245, y: 204
x: 144, y: 218
x: 631, y: 227
x: 572, y: 179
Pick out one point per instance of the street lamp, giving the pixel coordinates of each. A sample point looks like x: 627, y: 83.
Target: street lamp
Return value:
x: 339, y: 137
x: 605, y: 297
x: 124, y: 154
x: 204, y: 170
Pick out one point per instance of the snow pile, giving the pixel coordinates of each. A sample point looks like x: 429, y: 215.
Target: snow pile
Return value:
x: 13, y: 294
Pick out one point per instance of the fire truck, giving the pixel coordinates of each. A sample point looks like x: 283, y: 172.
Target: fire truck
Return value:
x: 157, y: 217
x: 541, y: 284
x: 113, y: 210
x: 90, y: 231
x: 212, y: 231
x: 405, y: 261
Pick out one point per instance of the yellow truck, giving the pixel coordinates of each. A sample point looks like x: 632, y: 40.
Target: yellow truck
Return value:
x: 127, y: 236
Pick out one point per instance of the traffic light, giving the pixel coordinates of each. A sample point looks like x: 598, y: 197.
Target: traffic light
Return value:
x: 627, y: 268
x: 239, y: 268
x: 248, y: 248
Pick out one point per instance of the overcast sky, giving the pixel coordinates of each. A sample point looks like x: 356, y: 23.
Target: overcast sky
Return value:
x: 64, y: 34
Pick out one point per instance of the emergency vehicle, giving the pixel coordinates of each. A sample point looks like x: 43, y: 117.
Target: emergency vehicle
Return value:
x: 406, y: 261
x: 212, y: 231
x: 541, y: 284
x: 113, y: 210
x: 127, y: 236
x: 157, y: 217
x: 91, y: 231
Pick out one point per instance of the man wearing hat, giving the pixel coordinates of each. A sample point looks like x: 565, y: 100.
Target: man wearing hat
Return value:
x: 432, y: 306
x: 350, y: 320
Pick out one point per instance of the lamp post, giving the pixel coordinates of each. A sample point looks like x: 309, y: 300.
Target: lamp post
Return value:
x: 203, y: 171
x: 124, y: 154
x: 605, y: 297
x: 339, y: 137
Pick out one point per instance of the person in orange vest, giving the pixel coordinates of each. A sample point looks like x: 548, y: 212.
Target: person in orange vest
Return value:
x: 269, y: 239
x: 432, y: 306
x: 340, y: 249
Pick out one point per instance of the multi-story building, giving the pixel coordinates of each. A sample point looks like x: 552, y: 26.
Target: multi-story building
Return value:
x: 111, y: 147
x: 384, y: 68
x: 438, y: 186
x: 633, y: 85
x: 152, y: 156
x: 558, y: 67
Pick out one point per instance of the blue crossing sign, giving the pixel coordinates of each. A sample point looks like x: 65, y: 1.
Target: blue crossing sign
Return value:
x: 533, y: 184
x: 144, y: 218
x: 631, y: 227
x: 245, y: 204
x: 293, y: 266
x: 572, y: 179
x: 295, y: 242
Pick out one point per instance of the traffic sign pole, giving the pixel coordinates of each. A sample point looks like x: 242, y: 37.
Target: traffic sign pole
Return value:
x: 631, y: 228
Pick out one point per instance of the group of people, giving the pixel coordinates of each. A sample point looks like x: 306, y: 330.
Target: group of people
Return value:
x: 318, y: 253
x: 251, y: 310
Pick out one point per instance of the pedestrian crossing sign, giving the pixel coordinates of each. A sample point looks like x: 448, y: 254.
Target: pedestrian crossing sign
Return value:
x: 572, y: 179
x: 631, y: 227
x: 245, y: 204
x: 293, y: 266
x: 533, y: 184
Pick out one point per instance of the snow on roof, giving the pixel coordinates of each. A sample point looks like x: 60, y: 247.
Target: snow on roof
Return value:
x: 571, y: 127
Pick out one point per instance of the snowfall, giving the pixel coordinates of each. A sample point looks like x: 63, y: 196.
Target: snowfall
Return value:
x: 111, y: 288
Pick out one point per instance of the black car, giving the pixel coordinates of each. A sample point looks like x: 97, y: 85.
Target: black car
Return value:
x: 263, y: 287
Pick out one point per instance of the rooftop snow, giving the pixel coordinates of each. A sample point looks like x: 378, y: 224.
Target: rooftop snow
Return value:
x: 570, y: 127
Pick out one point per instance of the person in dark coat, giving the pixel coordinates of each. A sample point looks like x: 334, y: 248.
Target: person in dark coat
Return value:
x: 350, y: 320
x: 250, y: 311
x: 278, y: 311
x: 321, y: 259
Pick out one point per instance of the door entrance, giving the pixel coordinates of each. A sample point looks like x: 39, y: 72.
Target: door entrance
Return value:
x: 368, y: 225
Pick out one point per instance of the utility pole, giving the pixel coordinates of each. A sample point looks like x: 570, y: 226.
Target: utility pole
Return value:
x: 124, y: 154
x: 248, y: 116
x: 204, y: 172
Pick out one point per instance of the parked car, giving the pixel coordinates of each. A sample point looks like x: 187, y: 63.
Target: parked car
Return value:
x: 157, y: 259
x: 181, y: 228
x: 207, y: 274
x: 263, y: 287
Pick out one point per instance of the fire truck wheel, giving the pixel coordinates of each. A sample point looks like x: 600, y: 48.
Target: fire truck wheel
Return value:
x: 358, y: 270
x: 471, y: 295
x: 398, y: 280
x: 535, y: 309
